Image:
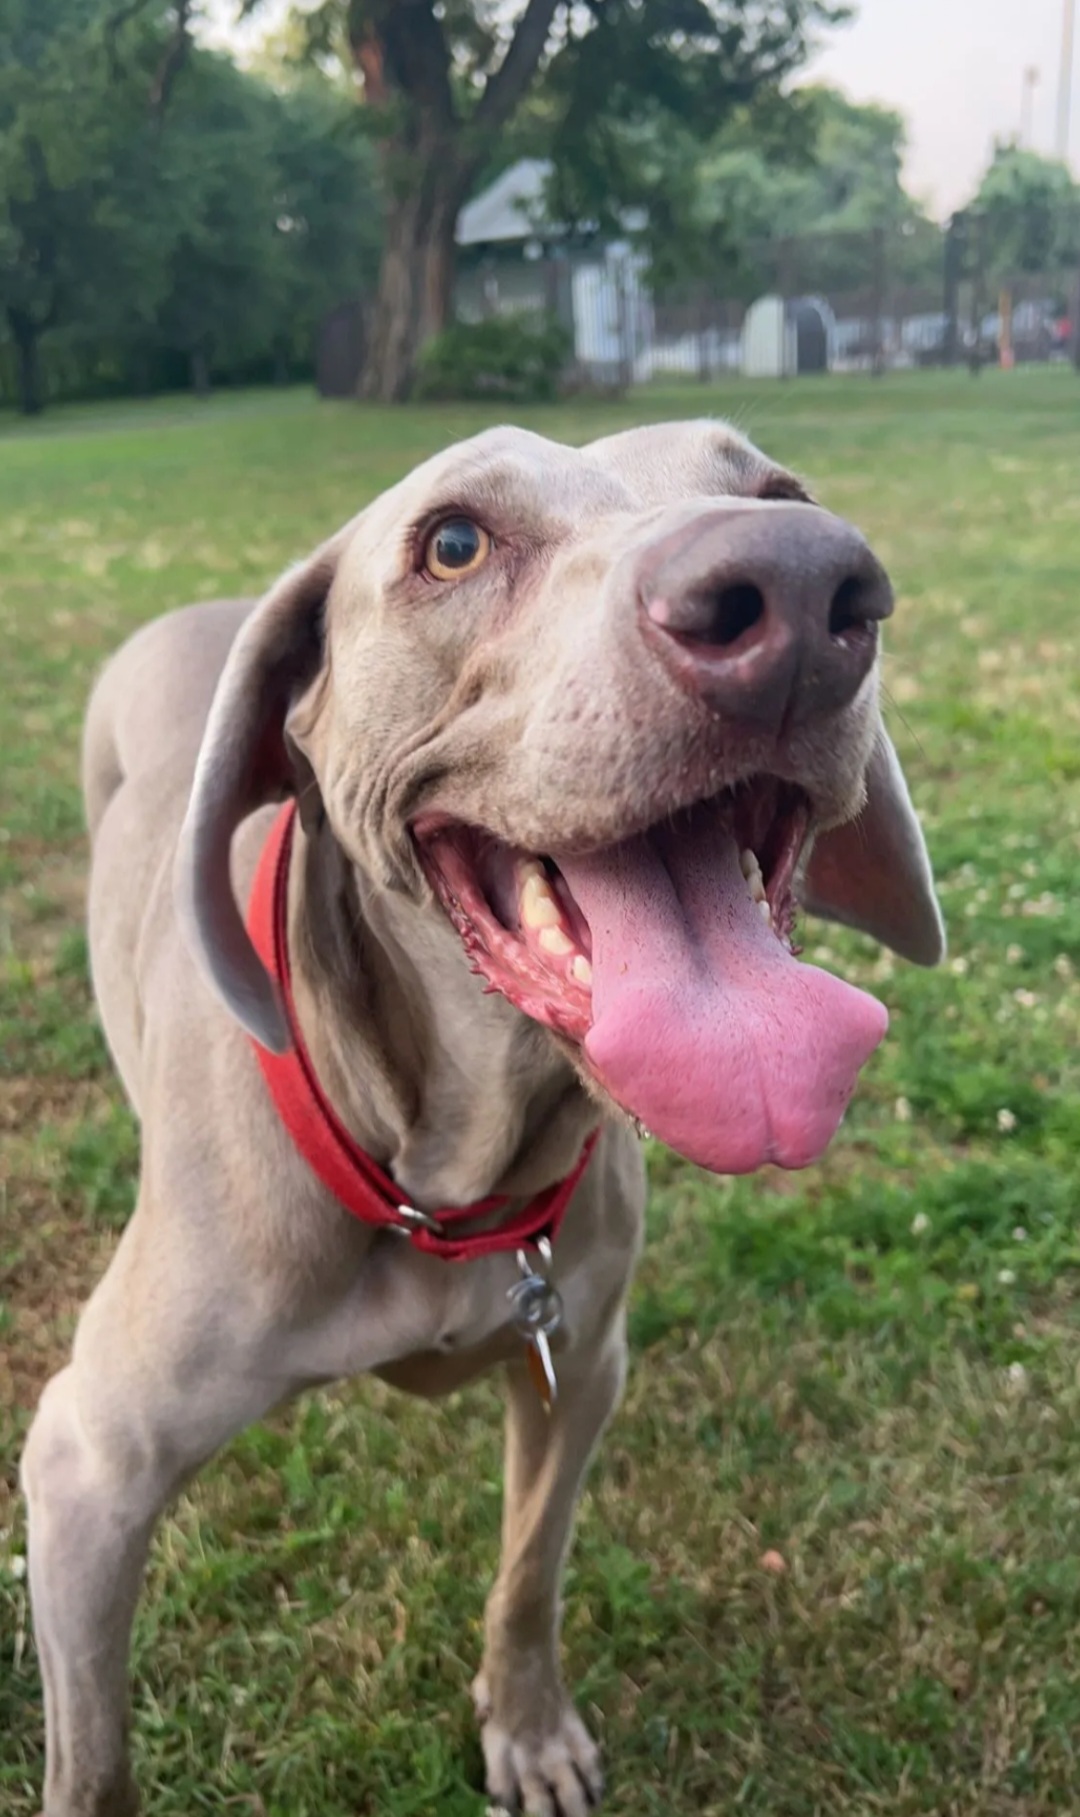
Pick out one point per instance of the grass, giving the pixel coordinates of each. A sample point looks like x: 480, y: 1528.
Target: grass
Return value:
x: 872, y: 1369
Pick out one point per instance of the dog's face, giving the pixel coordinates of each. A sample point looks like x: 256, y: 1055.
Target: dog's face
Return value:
x: 616, y: 708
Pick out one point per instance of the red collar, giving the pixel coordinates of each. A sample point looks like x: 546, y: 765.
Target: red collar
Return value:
x: 355, y: 1180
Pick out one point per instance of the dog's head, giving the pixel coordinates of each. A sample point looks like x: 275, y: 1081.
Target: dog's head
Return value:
x: 615, y: 709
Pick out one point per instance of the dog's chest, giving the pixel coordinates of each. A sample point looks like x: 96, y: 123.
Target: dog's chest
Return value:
x: 429, y: 1325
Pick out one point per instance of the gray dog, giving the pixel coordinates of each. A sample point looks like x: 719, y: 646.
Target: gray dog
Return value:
x: 418, y: 888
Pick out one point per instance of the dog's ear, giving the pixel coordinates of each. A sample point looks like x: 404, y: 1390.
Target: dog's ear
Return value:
x: 874, y: 873
x: 247, y: 759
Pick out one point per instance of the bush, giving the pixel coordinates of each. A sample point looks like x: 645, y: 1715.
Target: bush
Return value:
x: 516, y: 358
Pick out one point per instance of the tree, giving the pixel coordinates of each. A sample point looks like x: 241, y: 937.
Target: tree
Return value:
x: 265, y: 194
x: 809, y: 167
x: 1030, y: 210
x: 443, y: 80
x: 74, y: 127
x: 217, y: 185
x: 328, y: 220
x: 160, y: 208
x: 833, y: 202
x: 654, y: 79
x: 854, y: 182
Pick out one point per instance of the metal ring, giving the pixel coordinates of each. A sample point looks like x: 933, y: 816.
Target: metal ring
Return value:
x: 536, y: 1306
x: 528, y: 1266
x: 419, y: 1220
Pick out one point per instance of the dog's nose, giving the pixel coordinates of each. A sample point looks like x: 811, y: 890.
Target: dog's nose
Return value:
x: 767, y: 611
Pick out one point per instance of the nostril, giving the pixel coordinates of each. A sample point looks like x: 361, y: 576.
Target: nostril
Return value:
x: 735, y: 610
x: 851, y: 610
x: 717, y: 616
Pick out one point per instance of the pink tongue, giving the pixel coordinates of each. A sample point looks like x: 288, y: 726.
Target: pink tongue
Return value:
x: 704, y: 1026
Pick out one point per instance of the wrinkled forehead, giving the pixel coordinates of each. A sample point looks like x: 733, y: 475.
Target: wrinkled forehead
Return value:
x: 547, y: 489
x: 666, y: 462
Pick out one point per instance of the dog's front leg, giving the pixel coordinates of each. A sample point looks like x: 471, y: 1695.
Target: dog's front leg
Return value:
x: 538, y: 1753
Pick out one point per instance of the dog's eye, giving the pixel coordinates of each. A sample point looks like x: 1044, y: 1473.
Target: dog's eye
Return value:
x: 456, y: 547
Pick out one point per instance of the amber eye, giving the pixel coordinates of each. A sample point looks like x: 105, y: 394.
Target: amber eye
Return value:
x: 456, y: 547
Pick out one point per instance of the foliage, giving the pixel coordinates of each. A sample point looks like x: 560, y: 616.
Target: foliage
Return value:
x: 853, y: 181
x: 844, y: 203
x: 74, y: 132
x: 659, y: 65
x: 265, y: 196
x: 872, y: 1368
x: 1030, y: 211
x: 217, y: 184
x: 212, y: 225
x: 515, y: 358
x: 807, y: 166
x: 329, y: 219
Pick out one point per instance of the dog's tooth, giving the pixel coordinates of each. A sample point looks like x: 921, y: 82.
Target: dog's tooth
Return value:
x: 751, y: 870
x: 555, y: 942
x: 539, y: 908
x: 581, y: 970
x: 765, y: 911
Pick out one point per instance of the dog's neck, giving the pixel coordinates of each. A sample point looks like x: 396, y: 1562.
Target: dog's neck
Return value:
x: 453, y: 1091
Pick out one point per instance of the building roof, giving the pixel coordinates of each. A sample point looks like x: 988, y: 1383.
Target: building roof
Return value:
x: 512, y: 210
x: 509, y: 209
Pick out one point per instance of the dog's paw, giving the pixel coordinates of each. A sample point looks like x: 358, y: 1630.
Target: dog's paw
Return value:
x: 548, y: 1771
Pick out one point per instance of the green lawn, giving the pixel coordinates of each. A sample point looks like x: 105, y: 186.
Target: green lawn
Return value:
x: 872, y: 1369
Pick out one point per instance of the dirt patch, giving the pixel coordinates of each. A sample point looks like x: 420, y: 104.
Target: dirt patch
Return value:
x: 26, y: 1103
x: 51, y: 1255
x: 50, y: 902
x: 55, y: 1263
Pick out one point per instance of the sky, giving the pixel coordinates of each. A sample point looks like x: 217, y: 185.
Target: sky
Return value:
x: 953, y: 68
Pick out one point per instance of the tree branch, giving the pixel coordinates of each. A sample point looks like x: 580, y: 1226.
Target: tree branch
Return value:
x: 173, y: 61
x: 414, y: 58
x: 114, y: 25
x: 507, y: 86
x: 367, y: 54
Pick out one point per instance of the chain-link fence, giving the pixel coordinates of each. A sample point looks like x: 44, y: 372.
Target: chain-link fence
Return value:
x: 842, y: 302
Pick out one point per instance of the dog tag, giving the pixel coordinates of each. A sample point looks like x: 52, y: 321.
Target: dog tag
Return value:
x: 539, y: 1362
x: 537, y: 1310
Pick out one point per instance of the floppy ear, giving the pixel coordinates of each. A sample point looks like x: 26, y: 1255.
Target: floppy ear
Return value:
x: 246, y: 760
x: 874, y: 873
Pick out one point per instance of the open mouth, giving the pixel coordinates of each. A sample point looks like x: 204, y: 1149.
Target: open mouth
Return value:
x: 667, y: 960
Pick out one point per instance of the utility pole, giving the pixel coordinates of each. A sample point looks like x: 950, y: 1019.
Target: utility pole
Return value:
x: 1027, y: 107
x: 1064, y: 108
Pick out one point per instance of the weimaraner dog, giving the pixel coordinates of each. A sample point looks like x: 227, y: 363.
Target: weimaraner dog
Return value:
x: 489, y: 822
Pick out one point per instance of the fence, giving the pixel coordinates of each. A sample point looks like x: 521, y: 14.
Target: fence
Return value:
x: 867, y: 302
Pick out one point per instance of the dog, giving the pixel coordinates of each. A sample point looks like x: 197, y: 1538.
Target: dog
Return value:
x: 419, y: 890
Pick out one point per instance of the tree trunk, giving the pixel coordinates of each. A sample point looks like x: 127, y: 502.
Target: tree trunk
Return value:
x: 31, y: 400
x: 404, y: 55
x: 415, y: 294
x: 199, y: 370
